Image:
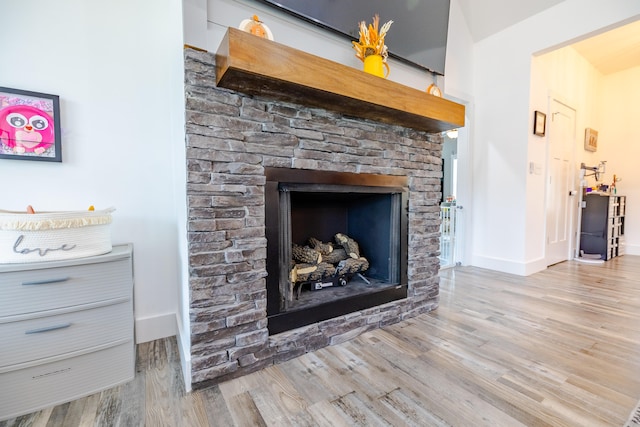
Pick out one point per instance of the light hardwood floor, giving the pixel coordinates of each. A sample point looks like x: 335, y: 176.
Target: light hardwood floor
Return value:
x: 559, y: 348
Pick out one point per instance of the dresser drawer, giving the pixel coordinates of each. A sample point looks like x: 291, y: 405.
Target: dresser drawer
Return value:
x: 28, y: 340
x: 35, y: 290
x: 49, y: 384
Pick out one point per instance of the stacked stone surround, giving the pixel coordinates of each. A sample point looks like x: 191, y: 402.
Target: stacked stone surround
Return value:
x: 231, y: 138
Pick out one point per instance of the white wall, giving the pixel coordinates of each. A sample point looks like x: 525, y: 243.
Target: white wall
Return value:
x: 502, y: 134
x: 619, y: 144
x: 117, y: 67
x: 458, y: 81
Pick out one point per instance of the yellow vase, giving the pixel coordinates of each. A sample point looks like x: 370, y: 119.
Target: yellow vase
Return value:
x: 373, y: 64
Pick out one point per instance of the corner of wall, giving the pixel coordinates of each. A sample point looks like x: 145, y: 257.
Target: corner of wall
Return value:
x: 631, y: 249
x: 167, y: 325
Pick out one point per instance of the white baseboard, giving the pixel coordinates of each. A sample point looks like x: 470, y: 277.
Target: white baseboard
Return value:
x: 156, y: 327
x: 503, y: 265
x: 535, y: 266
x: 631, y: 249
x: 184, y: 345
x: 510, y: 266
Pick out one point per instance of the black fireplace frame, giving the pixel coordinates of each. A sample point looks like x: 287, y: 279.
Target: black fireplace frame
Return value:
x: 279, y: 321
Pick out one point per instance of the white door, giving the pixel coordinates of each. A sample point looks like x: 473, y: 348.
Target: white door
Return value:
x: 561, y: 143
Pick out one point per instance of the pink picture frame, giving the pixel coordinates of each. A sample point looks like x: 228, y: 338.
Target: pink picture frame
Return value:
x: 29, y: 125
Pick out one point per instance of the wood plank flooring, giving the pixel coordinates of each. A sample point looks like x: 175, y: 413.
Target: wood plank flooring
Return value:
x: 558, y: 348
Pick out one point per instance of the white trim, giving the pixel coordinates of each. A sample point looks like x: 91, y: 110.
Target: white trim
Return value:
x: 155, y: 327
x: 631, y: 249
x: 465, y: 190
x: 184, y: 346
x: 509, y: 266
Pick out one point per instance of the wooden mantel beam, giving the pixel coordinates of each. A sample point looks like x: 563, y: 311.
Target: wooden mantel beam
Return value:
x: 257, y: 66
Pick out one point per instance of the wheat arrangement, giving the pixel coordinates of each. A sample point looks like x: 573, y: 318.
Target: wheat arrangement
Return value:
x: 372, y: 40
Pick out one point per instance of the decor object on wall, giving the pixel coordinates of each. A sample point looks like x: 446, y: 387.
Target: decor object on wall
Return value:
x: 29, y: 125
x: 590, y: 139
x: 256, y: 27
x: 371, y: 44
x: 539, y: 123
x: 434, y: 90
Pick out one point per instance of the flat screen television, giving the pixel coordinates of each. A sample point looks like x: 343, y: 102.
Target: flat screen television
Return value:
x: 418, y: 35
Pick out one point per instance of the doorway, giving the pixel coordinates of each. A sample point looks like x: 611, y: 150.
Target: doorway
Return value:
x: 449, y: 205
x: 560, y: 182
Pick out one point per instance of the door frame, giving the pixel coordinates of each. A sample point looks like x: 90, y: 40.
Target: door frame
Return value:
x: 464, y: 248
x: 464, y: 198
x: 464, y: 193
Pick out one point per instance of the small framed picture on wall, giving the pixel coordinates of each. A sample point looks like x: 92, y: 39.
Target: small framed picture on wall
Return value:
x: 539, y: 123
x: 29, y: 125
x: 590, y: 139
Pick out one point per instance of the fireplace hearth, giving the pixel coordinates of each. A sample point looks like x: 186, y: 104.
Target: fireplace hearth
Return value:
x: 368, y: 209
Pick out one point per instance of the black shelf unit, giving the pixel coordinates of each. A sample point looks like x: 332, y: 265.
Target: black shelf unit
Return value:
x: 602, y: 227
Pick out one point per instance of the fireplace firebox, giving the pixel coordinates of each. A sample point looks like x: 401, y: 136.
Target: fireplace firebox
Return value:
x: 303, y: 206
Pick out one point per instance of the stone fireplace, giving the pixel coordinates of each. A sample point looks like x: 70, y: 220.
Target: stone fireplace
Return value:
x: 234, y: 143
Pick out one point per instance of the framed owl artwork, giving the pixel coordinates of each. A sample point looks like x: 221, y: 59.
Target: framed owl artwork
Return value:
x: 29, y: 125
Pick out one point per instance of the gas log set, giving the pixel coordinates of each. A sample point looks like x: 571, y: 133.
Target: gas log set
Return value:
x: 323, y: 264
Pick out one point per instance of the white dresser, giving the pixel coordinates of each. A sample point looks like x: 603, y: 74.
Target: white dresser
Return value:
x: 66, y: 330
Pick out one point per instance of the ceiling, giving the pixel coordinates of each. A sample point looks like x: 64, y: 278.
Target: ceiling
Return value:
x: 487, y: 17
x: 608, y: 52
x: 613, y: 51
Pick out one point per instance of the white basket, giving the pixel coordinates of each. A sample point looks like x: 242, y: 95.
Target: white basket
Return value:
x: 53, y: 236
